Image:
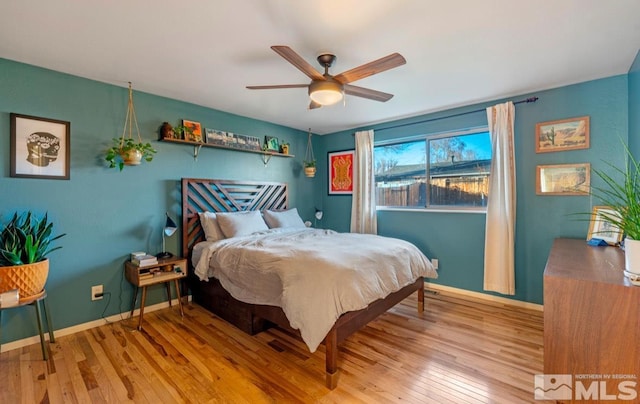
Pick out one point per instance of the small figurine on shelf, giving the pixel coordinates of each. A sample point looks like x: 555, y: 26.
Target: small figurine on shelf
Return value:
x: 166, y: 131
x: 284, y: 148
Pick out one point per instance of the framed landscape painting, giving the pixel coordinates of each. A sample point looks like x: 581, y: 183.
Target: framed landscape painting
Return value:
x: 341, y: 172
x: 566, y: 134
x: 563, y: 179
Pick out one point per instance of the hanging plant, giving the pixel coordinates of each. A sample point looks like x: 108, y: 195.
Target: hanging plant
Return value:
x: 126, y: 151
x: 309, y: 162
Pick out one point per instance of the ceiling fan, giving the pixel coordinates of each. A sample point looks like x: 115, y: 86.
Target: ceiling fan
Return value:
x: 326, y: 89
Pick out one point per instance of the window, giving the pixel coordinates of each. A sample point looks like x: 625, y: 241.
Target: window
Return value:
x: 437, y: 171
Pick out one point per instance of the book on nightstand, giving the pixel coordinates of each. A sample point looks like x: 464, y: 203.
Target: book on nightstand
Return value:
x: 144, y: 260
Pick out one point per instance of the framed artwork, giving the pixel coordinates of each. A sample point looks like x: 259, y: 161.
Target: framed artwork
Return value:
x: 271, y: 143
x: 566, y: 134
x: 215, y: 136
x: 195, y: 130
x: 341, y: 172
x: 600, y: 228
x: 563, y: 179
x: 40, y: 147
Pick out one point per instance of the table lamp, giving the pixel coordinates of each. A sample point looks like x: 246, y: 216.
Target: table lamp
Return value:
x: 170, y: 227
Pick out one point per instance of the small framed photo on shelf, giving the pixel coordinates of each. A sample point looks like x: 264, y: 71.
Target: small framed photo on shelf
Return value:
x: 601, y: 228
x: 272, y: 144
x: 562, y: 135
x: 40, y: 147
x: 215, y: 136
x: 253, y: 143
x: 563, y: 179
x: 194, y: 133
x: 341, y: 172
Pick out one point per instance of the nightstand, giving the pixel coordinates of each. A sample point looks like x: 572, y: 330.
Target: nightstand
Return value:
x: 165, y: 271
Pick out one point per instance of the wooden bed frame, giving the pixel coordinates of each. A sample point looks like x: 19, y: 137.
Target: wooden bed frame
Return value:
x: 199, y: 195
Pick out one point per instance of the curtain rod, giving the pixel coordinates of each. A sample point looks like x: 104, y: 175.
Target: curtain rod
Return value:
x: 528, y: 100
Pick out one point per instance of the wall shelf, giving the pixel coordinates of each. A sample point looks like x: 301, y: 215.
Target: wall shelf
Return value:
x: 266, y: 155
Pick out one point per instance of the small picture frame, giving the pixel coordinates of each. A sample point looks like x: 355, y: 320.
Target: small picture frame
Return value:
x: 341, y: 172
x: 562, y: 135
x: 563, y: 179
x: 272, y: 144
x: 195, y: 130
x: 601, y: 228
x: 40, y: 147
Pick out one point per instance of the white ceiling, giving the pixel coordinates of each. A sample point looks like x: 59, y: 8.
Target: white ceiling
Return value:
x: 458, y: 52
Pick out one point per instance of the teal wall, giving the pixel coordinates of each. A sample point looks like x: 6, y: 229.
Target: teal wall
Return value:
x: 106, y: 213
x: 634, y: 107
x: 457, y: 239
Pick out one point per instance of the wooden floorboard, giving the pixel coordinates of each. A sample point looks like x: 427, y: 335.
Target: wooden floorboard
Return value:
x: 457, y: 351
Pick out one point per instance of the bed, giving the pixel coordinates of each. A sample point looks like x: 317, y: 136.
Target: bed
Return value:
x: 228, y: 297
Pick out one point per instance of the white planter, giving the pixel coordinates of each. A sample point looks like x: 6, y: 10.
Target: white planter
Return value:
x: 132, y: 158
x: 632, y: 256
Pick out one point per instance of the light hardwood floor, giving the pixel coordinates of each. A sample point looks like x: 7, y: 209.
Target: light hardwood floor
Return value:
x: 457, y: 351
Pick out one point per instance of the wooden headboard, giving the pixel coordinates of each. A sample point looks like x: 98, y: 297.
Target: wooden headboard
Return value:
x: 202, y: 195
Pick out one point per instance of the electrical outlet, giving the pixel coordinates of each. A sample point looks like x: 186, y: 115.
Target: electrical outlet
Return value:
x: 434, y: 262
x: 96, y: 292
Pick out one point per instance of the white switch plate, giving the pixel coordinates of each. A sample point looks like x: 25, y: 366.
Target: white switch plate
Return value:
x: 434, y: 262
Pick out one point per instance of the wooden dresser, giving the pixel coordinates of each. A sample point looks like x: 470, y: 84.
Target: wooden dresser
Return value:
x: 591, y: 314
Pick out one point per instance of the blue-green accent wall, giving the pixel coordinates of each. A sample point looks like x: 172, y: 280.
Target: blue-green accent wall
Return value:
x: 634, y: 107
x: 457, y: 239
x: 106, y: 214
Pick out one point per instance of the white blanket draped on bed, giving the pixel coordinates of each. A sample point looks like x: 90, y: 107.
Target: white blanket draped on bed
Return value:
x: 313, y: 275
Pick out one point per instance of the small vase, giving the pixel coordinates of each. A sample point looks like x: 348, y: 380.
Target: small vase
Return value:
x: 166, y: 130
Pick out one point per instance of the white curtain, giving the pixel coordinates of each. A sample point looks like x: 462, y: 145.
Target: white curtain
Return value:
x: 499, y: 265
x: 363, y: 205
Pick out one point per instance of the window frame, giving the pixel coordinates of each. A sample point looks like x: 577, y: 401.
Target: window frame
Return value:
x: 426, y: 138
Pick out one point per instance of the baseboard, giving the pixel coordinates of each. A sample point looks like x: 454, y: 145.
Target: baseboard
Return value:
x: 82, y: 327
x: 483, y: 296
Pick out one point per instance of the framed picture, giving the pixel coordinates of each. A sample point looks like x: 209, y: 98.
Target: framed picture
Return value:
x: 40, y: 147
x: 215, y: 136
x: 600, y: 228
x: 195, y: 130
x: 563, y: 179
x: 341, y: 172
x: 566, y: 134
x: 272, y: 144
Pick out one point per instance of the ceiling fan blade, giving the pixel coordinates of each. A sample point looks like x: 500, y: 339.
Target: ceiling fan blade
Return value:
x: 367, y: 93
x: 371, y: 68
x: 292, y: 57
x: 314, y: 105
x: 277, y: 86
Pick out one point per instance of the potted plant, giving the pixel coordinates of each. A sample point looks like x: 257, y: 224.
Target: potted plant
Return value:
x: 622, y: 196
x: 25, y: 242
x: 310, y: 168
x: 183, y: 132
x: 125, y: 151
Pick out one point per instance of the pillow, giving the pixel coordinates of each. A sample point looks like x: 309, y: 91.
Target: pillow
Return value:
x: 234, y: 224
x: 209, y: 222
x: 285, y: 218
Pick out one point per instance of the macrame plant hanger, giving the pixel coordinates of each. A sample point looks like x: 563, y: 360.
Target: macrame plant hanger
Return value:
x: 309, y: 159
x: 130, y: 120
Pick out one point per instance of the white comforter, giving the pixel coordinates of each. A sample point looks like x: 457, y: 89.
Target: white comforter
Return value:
x: 313, y: 275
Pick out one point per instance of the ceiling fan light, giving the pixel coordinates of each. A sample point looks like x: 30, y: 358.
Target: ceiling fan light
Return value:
x: 325, y: 92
